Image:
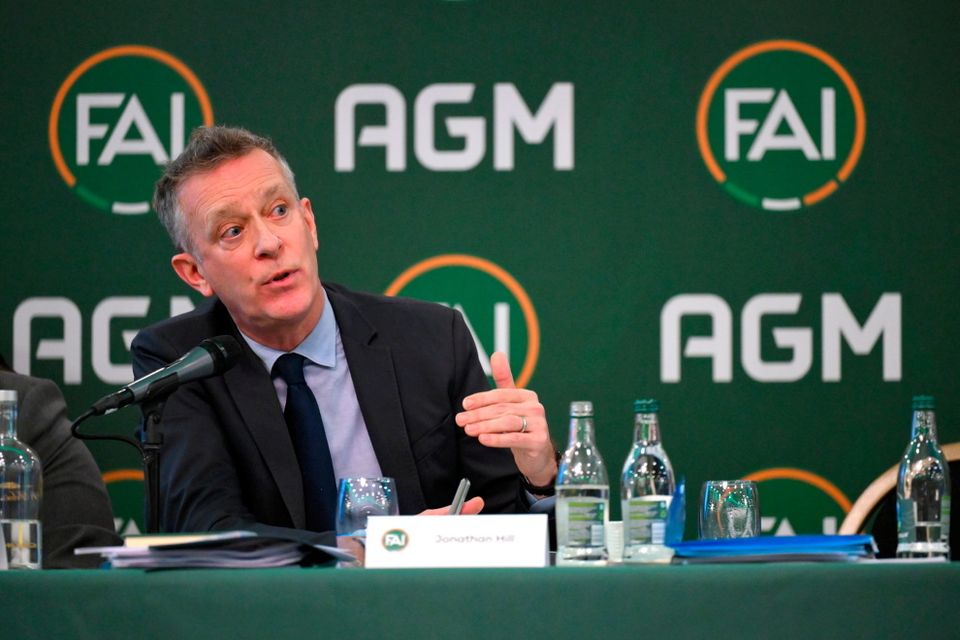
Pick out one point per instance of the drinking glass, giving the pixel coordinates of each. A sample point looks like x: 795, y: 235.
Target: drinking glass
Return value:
x: 729, y: 509
x: 360, y: 498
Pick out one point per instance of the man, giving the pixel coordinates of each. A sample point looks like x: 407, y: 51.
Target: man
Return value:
x: 397, y: 382
x: 74, y: 509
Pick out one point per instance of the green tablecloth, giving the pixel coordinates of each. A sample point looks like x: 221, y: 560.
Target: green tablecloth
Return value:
x: 731, y: 601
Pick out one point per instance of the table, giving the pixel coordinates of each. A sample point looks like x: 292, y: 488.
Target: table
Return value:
x: 791, y: 600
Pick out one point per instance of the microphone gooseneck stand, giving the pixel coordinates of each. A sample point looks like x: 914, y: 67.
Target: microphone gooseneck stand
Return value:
x: 149, y: 445
x: 150, y: 442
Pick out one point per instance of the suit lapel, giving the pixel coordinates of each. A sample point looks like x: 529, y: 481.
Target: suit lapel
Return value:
x: 253, y: 393
x: 375, y: 381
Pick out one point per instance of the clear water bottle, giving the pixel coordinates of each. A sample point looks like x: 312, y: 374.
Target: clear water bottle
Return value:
x: 21, y: 487
x: 583, y: 494
x: 923, y: 490
x: 646, y: 489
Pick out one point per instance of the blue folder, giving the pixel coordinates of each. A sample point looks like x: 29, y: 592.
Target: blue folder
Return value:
x: 777, y: 549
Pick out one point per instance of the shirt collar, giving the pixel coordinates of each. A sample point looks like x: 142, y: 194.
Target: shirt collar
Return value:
x: 319, y: 347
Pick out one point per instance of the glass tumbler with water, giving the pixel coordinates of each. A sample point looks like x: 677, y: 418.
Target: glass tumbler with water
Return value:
x: 360, y: 498
x: 729, y: 509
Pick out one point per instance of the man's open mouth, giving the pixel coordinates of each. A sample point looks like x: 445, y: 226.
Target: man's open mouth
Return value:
x: 283, y: 275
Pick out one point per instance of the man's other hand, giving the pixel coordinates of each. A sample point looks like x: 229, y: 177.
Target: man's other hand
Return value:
x: 512, y: 418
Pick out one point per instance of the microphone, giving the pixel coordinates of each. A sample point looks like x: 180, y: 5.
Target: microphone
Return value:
x: 212, y: 357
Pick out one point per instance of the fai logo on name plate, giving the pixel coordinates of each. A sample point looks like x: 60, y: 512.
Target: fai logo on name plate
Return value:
x: 781, y: 125
x: 118, y: 118
x: 497, y: 310
x: 395, y: 540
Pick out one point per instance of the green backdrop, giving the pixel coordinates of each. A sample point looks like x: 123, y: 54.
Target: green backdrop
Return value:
x: 555, y: 145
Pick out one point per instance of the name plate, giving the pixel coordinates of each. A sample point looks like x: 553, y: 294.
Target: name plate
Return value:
x: 457, y: 541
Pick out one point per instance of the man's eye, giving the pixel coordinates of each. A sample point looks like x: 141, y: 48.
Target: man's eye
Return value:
x: 280, y: 210
x: 231, y: 232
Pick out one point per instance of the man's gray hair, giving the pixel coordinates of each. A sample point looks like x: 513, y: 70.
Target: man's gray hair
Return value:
x: 208, y: 148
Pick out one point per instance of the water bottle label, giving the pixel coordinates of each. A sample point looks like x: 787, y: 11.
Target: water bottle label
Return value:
x: 645, y: 519
x: 598, y: 537
x: 586, y: 521
x: 18, y: 492
x: 22, y: 542
x: 906, y: 519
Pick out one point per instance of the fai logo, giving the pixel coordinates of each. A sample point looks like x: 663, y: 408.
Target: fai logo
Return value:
x: 796, y: 501
x: 497, y: 310
x: 395, y: 540
x: 780, y: 125
x: 118, y: 118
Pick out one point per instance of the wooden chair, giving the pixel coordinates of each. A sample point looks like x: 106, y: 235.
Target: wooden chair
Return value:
x: 875, y: 509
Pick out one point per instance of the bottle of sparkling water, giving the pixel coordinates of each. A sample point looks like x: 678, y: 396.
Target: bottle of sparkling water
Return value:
x: 21, y: 487
x: 646, y: 489
x: 923, y: 490
x: 583, y: 494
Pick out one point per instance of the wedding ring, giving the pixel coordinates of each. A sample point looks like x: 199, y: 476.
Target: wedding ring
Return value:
x: 523, y: 424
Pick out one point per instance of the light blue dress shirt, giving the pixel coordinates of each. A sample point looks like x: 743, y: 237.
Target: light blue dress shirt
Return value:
x: 328, y: 376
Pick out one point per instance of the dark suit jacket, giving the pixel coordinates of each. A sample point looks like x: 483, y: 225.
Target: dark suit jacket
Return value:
x: 227, y: 460
x: 74, y: 509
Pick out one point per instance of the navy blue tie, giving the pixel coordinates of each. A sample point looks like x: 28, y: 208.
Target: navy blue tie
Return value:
x: 310, y: 442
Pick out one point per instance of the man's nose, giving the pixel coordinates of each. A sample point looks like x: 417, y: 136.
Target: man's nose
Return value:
x: 268, y: 242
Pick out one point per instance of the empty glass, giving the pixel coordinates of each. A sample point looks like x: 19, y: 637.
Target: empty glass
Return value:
x: 360, y: 498
x: 729, y: 509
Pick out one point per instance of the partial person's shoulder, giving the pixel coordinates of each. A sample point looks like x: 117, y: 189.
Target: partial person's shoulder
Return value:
x: 42, y: 410
x: 24, y: 384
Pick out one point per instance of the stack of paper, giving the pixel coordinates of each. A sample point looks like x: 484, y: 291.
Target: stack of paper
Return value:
x: 229, y: 549
x: 809, y: 548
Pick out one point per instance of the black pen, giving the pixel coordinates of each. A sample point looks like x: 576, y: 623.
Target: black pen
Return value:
x: 458, y: 499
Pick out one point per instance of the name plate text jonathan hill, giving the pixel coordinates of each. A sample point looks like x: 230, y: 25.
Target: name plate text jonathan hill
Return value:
x: 518, y: 540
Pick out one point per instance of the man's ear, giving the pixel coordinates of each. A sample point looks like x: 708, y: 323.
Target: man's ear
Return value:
x: 310, y: 220
x: 189, y: 271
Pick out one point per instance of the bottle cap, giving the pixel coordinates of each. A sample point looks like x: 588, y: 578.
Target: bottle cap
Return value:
x: 648, y: 405
x: 581, y: 408
x: 923, y: 403
x: 8, y: 395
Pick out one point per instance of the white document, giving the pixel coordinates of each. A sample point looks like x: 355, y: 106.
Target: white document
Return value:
x: 457, y: 541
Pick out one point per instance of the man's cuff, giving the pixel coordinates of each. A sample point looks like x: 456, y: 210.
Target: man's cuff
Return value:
x: 537, y: 491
